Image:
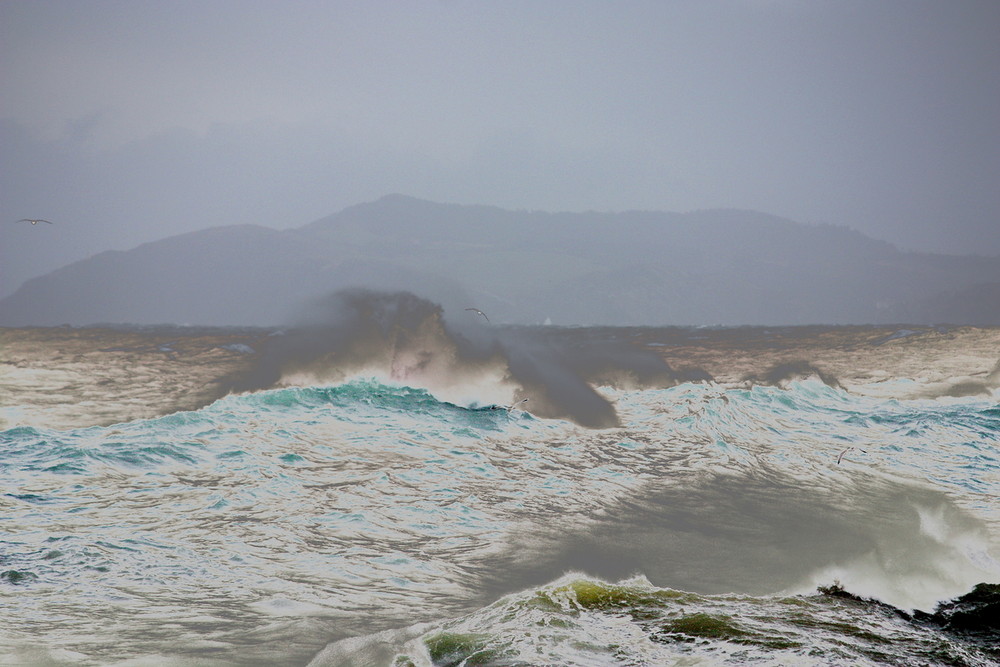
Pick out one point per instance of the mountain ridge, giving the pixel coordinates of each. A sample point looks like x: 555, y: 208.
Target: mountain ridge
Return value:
x: 713, y: 266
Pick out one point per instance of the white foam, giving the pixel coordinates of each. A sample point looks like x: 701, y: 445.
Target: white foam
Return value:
x: 948, y: 555
x: 283, y: 606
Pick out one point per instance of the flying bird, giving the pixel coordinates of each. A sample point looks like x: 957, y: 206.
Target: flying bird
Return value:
x: 839, y: 458
x: 34, y: 221
x: 476, y: 310
x: 508, y: 408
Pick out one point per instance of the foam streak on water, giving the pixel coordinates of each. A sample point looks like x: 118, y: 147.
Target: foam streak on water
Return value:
x: 266, y: 526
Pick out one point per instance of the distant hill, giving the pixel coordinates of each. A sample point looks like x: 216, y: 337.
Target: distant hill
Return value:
x: 976, y: 305
x: 630, y: 268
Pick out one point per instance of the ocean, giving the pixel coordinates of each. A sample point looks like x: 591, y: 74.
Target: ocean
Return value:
x: 376, y: 518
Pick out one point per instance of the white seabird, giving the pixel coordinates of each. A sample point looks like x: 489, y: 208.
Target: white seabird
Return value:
x: 33, y: 221
x: 841, y: 456
x: 476, y: 310
x: 508, y: 408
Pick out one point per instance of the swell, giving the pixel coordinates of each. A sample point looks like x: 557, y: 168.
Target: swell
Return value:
x: 405, y: 338
x: 580, y: 620
x: 392, y: 501
x: 408, y: 339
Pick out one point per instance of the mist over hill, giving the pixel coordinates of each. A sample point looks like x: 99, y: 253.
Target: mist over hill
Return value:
x: 726, y: 267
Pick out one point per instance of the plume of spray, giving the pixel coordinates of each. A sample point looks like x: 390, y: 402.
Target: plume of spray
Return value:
x: 764, y: 531
x: 781, y: 374
x: 408, y: 339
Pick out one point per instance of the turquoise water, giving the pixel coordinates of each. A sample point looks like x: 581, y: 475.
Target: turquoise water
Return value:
x: 369, y: 522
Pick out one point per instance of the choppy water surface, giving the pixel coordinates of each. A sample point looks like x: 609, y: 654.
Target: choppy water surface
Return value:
x: 374, y: 523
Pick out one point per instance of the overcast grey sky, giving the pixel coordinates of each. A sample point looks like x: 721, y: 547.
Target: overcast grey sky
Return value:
x: 127, y: 121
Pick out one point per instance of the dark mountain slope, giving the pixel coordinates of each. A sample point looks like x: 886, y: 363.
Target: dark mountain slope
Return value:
x: 638, y: 267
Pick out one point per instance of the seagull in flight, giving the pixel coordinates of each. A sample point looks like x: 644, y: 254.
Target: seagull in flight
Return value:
x: 508, y: 408
x: 33, y: 221
x: 476, y: 310
x: 847, y: 450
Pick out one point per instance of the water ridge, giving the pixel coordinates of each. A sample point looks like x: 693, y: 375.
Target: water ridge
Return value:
x: 330, y: 512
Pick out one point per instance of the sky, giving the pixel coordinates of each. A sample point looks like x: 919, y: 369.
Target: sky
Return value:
x: 129, y: 121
